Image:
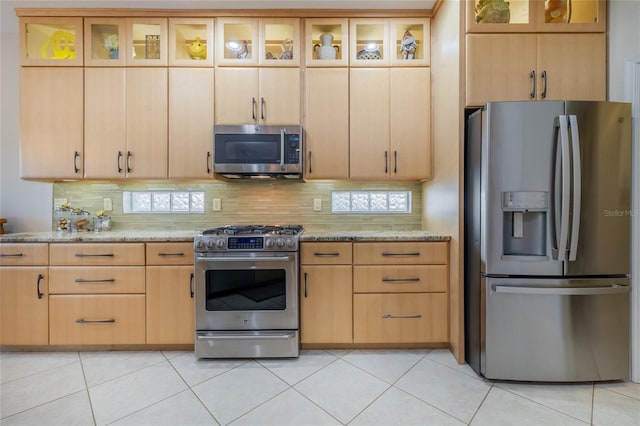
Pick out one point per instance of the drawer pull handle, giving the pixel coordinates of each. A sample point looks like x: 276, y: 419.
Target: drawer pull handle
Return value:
x: 327, y: 254
x: 401, y: 316
x: 400, y: 280
x: 94, y: 255
x: 401, y: 254
x: 191, y: 285
x: 83, y: 281
x: 170, y: 254
x: 11, y: 255
x: 105, y: 321
x: 305, y: 285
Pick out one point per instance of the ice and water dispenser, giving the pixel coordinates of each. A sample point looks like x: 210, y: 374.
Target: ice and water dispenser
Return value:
x: 524, y: 223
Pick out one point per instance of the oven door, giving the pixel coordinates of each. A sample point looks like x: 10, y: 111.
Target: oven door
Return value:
x: 246, y: 291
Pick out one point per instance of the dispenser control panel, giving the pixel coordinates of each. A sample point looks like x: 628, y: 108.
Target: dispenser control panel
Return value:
x: 524, y: 201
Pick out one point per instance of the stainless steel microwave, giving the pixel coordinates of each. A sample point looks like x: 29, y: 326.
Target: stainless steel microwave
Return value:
x: 242, y: 151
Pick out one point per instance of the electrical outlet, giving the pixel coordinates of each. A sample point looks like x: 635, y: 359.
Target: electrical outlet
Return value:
x: 217, y: 205
x: 57, y: 202
x: 107, y: 204
x: 317, y: 204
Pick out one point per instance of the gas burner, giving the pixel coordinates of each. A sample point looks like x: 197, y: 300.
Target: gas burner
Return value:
x: 255, y: 230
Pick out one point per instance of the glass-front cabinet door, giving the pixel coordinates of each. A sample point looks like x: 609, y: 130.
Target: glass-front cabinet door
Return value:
x: 279, y: 42
x: 102, y: 41
x: 237, y: 41
x: 51, y: 41
x: 536, y: 16
x: 327, y: 42
x: 369, y: 42
x: 410, y: 41
x: 191, y: 42
x: 146, y: 42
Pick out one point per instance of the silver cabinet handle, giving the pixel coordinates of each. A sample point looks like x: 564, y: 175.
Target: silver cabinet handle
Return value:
x: 94, y: 255
x: 262, y: 108
x: 105, y: 321
x: 76, y: 154
x: 171, y: 254
x: 129, y: 154
x: 544, y: 85
x: 332, y: 254
x: 387, y: 316
x: 386, y: 254
x: 118, y: 161
x: 253, y: 108
x: 11, y: 255
x: 532, y: 75
x: 83, y: 281
x: 400, y: 280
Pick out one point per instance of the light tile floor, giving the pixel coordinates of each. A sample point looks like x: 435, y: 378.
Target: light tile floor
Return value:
x: 381, y: 387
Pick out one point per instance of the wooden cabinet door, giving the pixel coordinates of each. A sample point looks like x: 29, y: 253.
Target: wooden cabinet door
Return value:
x: 410, y: 123
x: 104, y: 121
x: 190, y: 122
x: 51, y: 122
x: 24, y: 306
x: 236, y: 95
x: 327, y: 123
x: 170, y: 315
x: 279, y: 95
x: 369, y: 123
x: 575, y: 66
x: 499, y: 67
x: 146, y: 125
x: 326, y: 304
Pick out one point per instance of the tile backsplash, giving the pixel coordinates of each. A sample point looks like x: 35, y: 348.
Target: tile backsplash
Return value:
x: 245, y: 202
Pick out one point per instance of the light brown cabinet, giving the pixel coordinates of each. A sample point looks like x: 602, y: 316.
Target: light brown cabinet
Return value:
x: 169, y: 293
x: 257, y: 95
x: 325, y: 293
x: 51, y: 125
x: 327, y: 123
x: 191, y: 114
x: 390, y: 127
x: 520, y: 67
x: 98, y: 295
x: 24, y: 294
x: 400, y: 292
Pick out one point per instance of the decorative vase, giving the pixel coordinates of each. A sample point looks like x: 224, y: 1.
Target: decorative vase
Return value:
x: 326, y: 50
x: 113, y: 53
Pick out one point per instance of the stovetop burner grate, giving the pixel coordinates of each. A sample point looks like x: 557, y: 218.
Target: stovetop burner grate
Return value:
x: 255, y: 230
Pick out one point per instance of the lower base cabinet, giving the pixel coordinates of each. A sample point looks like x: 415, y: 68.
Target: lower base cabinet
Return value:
x: 113, y: 319
x: 400, y: 318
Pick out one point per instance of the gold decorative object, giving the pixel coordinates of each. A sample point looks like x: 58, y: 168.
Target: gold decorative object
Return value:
x: 493, y: 12
x: 61, y: 45
x: 197, y: 49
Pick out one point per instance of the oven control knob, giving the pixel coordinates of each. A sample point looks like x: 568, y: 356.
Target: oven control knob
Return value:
x: 280, y: 242
x: 269, y: 243
x: 211, y: 244
x: 199, y: 245
x: 220, y: 243
x: 289, y: 242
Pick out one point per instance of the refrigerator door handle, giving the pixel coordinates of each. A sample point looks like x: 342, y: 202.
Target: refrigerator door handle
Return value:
x: 577, y: 187
x: 562, y: 291
x: 560, y: 252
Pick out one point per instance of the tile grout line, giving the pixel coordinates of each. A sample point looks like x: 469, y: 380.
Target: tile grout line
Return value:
x: 86, y: 386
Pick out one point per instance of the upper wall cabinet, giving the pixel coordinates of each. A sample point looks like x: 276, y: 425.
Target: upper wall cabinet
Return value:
x: 536, y: 16
x: 146, y: 42
x: 51, y: 41
x: 252, y: 41
x: 191, y: 42
x: 410, y: 42
x: 369, y: 43
x: 103, y: 37
x: 327, y: 42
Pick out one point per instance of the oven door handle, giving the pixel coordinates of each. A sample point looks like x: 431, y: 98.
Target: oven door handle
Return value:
x: 246, y: 259
x: 244, y: 336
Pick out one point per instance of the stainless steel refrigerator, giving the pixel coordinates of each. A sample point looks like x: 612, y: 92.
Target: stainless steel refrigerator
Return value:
x: 548, y: 240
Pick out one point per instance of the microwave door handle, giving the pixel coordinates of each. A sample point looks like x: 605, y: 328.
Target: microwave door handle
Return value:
x: 577, y: 186
x: 283, y: 135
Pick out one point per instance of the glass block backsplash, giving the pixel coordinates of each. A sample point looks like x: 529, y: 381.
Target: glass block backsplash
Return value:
x: 249, y: 202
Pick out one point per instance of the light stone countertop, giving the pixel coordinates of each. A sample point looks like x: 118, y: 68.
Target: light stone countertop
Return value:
x: 188, y: 236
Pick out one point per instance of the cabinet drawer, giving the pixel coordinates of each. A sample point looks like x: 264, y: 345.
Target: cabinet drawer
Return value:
x: 400, y: 279
x: 169, y: 254
x: 97, y: 254
x: 329, y: 253
x: 24, y: 254
x: 400, y: 318
x: 96, y: 320
x: 96, y: 279
x: 400, y: 253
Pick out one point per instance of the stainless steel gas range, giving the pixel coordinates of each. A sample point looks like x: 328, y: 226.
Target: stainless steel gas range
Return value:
x: 246, y: 292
